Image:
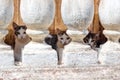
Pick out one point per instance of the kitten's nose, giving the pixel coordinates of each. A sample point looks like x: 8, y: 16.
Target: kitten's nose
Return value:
x: 65, y: 43
x: 85, y: 40
x: 88, y: 43
x: 22, y: 37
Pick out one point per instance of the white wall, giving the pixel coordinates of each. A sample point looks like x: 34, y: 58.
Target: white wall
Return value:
x: 6, y: 11
x: 110, y: 11
x: 39, y: 12
x: 77, y: 13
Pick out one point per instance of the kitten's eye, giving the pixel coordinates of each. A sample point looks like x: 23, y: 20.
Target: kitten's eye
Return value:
x: 61, y: 38
x: 68, y: 38
x: 93, y: 41
x: 17, y: 32
x: 24, y: 32
x: 18, y: 27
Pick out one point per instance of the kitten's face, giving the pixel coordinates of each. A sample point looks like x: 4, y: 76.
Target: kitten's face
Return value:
x: 20, y: 31
x: 95, y: 39
x: 63, y: 37
x: 92, y: 39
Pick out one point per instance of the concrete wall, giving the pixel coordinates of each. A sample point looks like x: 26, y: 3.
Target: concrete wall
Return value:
x: 39, y: 12
x: 110, y: 13
x: 75, y: 13
x: 6, y: 12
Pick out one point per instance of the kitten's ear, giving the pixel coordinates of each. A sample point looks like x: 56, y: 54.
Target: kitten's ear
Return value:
x: 90, y: 32
x: 14, y: 25
x: 58, y: 30
x: 25, y: 27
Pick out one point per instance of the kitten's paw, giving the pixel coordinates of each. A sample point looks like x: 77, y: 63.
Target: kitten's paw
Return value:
x: 17, y: 63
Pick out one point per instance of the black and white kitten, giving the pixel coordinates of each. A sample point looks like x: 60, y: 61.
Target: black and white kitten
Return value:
x: 17, y: 39
x: 95, y: 40
x: 58, y: 41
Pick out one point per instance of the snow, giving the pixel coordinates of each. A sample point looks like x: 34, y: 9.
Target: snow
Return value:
x: 80, y: 61
x: 75, y: 55
x: 110, y: 53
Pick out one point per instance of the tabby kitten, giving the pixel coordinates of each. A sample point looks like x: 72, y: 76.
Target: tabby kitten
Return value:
x: 58, y: 41
x: 95, y: 39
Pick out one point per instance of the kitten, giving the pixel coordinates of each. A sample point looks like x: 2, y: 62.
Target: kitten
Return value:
x: 95, y: 39
x: 58, y: 42
x: 17, y: 39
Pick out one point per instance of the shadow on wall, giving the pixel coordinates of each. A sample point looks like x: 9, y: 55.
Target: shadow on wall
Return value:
x: 76, y: 14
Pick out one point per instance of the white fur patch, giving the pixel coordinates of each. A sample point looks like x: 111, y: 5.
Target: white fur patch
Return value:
x: 64, y: 39
x: 22, y: 34
x: 49, y: 36
x: 60, y: 52
x: 89, y: 41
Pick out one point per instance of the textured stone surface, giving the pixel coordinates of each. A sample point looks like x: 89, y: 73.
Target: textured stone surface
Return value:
x: 82, y: 73
x: 77, y: 13
x: 40, y: 12
x: 109, y: 11
x: 6, y: 11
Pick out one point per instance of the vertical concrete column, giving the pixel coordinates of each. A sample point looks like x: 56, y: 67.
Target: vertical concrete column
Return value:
x: 57, y: 22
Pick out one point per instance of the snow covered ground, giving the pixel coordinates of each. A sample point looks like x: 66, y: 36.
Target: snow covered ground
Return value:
x: 80, y: 62
x: 75, y: 55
